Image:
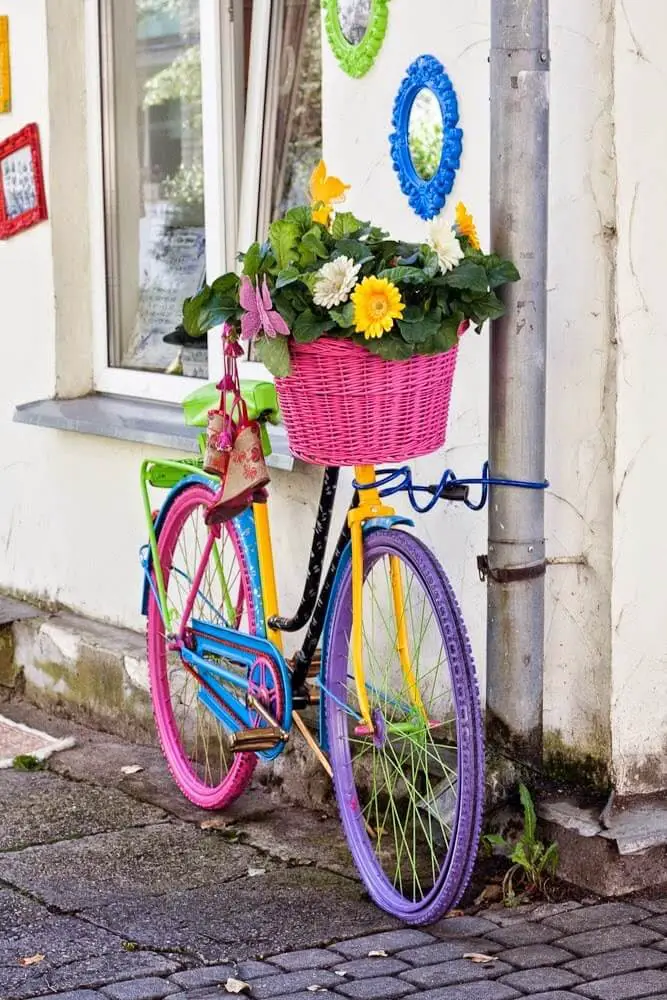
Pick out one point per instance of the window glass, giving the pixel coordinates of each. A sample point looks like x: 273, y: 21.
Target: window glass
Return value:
x: 293, y: 113
x: 154, y: 180
x: 154, y: 159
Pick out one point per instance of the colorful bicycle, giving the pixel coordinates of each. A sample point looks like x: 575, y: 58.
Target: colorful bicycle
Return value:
x: 400, y: 727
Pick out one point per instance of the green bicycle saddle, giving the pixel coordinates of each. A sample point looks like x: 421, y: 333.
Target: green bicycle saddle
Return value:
x: 260, y: 398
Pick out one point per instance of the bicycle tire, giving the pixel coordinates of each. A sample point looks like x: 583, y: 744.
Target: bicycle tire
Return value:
x: 355, y: 803
x: 187, y: 773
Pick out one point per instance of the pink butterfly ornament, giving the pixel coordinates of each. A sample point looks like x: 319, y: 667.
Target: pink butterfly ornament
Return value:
x: 259, y: 316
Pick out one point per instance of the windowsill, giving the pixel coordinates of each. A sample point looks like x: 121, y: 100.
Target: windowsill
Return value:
x: 127, y: 418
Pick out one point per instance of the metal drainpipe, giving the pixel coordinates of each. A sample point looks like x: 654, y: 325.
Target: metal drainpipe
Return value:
x: 519, y: 218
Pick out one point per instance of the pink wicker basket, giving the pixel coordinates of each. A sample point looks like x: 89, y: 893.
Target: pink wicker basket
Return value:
x: 343, y: 405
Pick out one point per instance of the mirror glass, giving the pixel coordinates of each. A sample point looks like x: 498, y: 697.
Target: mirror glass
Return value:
x: 425, y: 133
x: 354, y: 16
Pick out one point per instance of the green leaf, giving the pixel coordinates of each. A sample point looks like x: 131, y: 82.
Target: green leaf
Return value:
x: 308, y: 327
x: 551, y: 859
x: 495, y: 840
x: 388, y: 347
x: 412, y: 314
x: 377, y: 235
x: 500, y: 272
x: 227, y: 284
x: 343, y: 317
x: 406, y: 275
x: 287, y: 277
x: 486, y: 307
x: 345, y: 224
x: 301, y: 216
x: 354, y: 249
x: 427, y: 328
x: 208, y: 309
x: 431, y: 263
x: 284, y: 236
x: 252, y: 260
x: 274, y: 353
x: 312, y: 241
x: 445, y: 338
x: 468, y: 275
x: 529, y: 816
x: 192, y: 309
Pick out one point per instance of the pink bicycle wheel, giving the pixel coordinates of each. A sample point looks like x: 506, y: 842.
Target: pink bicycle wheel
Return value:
x: 195, y: 743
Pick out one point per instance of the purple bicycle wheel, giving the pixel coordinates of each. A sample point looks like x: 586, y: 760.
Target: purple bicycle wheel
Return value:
x: 410, y: 791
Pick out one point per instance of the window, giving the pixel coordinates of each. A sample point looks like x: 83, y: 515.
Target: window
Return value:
x: 210, y: 113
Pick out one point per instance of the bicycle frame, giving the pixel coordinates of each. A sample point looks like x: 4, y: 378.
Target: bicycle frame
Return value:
x: 366, y: 507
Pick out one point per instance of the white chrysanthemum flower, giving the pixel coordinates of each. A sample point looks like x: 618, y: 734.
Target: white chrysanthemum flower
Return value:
x: 335, y: 280
x: 442, y: 238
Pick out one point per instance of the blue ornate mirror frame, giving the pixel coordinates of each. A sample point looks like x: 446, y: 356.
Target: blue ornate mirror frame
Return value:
x: 427, y: 197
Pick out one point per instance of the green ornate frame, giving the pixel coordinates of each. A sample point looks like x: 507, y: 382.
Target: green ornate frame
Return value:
x: 356, y: 60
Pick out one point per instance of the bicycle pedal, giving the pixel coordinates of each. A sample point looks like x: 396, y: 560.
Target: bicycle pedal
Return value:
x: 256, y: 740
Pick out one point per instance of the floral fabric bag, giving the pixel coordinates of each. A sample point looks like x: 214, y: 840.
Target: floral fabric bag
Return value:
x: 233, y: 445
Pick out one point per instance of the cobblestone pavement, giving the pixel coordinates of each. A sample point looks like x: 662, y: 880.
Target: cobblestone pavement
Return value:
x: 110, y: 889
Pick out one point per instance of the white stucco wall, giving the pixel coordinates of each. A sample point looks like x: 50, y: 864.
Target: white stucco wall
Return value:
x: 639, y: 678
x: 70, y: 516
x: 580, y: 425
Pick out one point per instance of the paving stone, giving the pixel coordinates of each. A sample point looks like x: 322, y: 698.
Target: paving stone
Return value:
x: 590, y: 918
x: 19, y: 984
x: 291, y: 982
x: 657, y: 924
x: 288, y: 908
x: 367, y: 968
x: 448, y: 973
x: 40, y: 807
x: 531, y: 956
x: 77, y: 995
x: 389, y: 941
x: 111, y: 867
x: 149, y: 988
x: 661, y: 945
x: 462, y: 927
x: 653, y: 905
x: 18, y: 913
x: 486, y: 990
x: 375, y: 989
x: 503, y: 915
x: 301, y: 995
x: 543, y: 978
x: 633, y: 984
x: 519, y: 934
x: 613, y: 963
x: 307, y: 958
x: 208, y: 975
x: 209, y: 979
x: 608, y: 939
x: 555, y: 995
x: 544, y: 910
x: 444, y: 951
x: 62, y: 939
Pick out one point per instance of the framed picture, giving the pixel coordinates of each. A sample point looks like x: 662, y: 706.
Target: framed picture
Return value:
x: 22, y: 197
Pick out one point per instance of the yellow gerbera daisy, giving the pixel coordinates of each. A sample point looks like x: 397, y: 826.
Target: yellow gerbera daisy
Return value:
x: 377, y: 303
x: 466, y: 225
x: 325, y: 191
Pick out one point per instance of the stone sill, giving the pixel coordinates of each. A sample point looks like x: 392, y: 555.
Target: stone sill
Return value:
x: 127, y: 418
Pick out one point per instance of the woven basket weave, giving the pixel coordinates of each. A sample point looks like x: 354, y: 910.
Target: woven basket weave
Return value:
x: 343, y: 405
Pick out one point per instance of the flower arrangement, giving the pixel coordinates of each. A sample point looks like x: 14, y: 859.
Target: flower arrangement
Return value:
x: 325, y: 273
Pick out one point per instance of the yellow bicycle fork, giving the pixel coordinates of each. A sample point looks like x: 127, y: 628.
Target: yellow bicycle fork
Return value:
x: 370, y: 506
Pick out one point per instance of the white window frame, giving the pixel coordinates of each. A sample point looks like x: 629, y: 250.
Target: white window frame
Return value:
x: 227, y: 227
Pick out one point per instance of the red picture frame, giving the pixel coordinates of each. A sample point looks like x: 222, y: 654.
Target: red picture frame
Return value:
x: 22, y: 195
